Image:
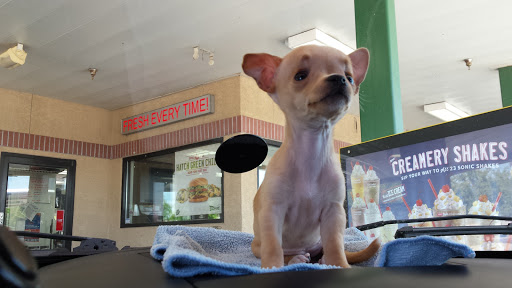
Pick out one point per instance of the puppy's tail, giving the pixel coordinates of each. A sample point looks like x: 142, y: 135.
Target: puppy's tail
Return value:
x: 363, y: 255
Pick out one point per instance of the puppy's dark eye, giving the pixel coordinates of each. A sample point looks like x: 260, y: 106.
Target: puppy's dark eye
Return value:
x: 350, y: 79
x: 301, y: 75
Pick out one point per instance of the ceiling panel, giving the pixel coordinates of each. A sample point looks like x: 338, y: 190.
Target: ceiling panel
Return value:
x: 15, y: 16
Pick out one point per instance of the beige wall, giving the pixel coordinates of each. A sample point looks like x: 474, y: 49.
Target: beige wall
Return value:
x: 347, y: 130
x: 15, y: 111
x: 98, y: 181
x: 27, y: 113
x: 257, y: 104
x: 56, y: 118
x: 249, y: 189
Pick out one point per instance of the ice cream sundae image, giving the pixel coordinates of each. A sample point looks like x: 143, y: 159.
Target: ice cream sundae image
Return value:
x: 448, y: 204
x: 357, y: 211
x: 388, y: 231
x: 371, y: 215
x: 359, y: 202
x: 481, y: 207
x: 420, y: 211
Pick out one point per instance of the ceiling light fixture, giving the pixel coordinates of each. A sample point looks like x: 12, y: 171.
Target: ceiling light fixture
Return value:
x: 13, y: 57
x: 93, y: 71
x: 195, y: 56
x: 316, y: 37
x: 469, y: 62
x: 198, y: 50
x: 444, y: 111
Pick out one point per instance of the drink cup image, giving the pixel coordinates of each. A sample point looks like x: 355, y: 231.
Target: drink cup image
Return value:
x: 357, y: 179
x: 357, y: 211
x: 388, y: 231
x: 371, y: 184
x: 420, y: 211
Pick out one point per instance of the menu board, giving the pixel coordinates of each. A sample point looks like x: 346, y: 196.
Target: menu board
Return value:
x: 468, y: 173
x: 198, y: 182
x: 38, y: 188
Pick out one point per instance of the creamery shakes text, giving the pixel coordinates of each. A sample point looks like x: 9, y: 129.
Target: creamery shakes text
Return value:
x: 488, y: 151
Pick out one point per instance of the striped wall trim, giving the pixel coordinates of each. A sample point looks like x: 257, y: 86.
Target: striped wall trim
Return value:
x: 53, y: 144
x: 199, y: 133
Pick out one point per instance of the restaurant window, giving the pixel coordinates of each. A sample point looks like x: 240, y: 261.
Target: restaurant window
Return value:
x: 262, y: 169
x: 175, y: 186
x: 37, y: 195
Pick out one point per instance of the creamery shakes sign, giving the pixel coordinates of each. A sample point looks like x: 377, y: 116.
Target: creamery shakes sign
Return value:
x: 184, y: 110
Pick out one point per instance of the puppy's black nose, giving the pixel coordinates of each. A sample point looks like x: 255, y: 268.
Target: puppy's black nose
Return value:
x: 337, y: 79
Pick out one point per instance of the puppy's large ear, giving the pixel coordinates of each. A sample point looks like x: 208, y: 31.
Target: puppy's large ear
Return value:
x: 262, y: 67
x: 360, y: 60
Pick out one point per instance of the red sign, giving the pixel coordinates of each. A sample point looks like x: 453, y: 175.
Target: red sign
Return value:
x: 191, y: 108
x: 60, y: 221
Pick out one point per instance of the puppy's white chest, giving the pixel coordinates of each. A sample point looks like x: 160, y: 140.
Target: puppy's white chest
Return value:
x: 316, y: 186
x: 307, y: 190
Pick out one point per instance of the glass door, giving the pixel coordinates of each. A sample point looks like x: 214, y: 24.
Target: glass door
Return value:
x: 37, y: 196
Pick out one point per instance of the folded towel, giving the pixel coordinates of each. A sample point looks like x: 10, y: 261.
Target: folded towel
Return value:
x: 190, y: 251
x: 420, y: 251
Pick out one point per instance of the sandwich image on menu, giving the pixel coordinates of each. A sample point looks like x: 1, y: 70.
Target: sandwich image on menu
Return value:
x: 182, y: 196
x: 199, y: 198
x: 198, y: 190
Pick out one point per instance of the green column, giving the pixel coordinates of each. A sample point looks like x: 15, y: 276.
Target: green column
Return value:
x: 506, y: 85
x: 380, y: 98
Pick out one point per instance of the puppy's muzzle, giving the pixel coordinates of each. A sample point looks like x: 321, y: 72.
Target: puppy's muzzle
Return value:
x: 337, y: 87
x: 337, y: 80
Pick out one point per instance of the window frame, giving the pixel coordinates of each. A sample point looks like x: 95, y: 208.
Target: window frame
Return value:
x: 7, y: 158
x: 125, y: 181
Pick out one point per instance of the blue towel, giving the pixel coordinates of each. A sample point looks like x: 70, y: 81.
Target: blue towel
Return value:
x: 420, y: 251
x: 191, y: 251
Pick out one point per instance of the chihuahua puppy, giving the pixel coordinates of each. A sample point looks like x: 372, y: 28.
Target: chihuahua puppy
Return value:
x: 298, y: 209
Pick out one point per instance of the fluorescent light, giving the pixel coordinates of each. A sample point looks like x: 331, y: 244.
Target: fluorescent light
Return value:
x: 316, y: 37
x: 445, y: 111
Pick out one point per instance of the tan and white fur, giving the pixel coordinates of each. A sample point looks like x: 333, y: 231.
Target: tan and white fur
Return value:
x: 298, y: 209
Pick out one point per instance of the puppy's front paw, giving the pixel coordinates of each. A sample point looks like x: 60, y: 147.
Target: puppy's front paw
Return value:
x: 340, y: 262
x: 306, y: 258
